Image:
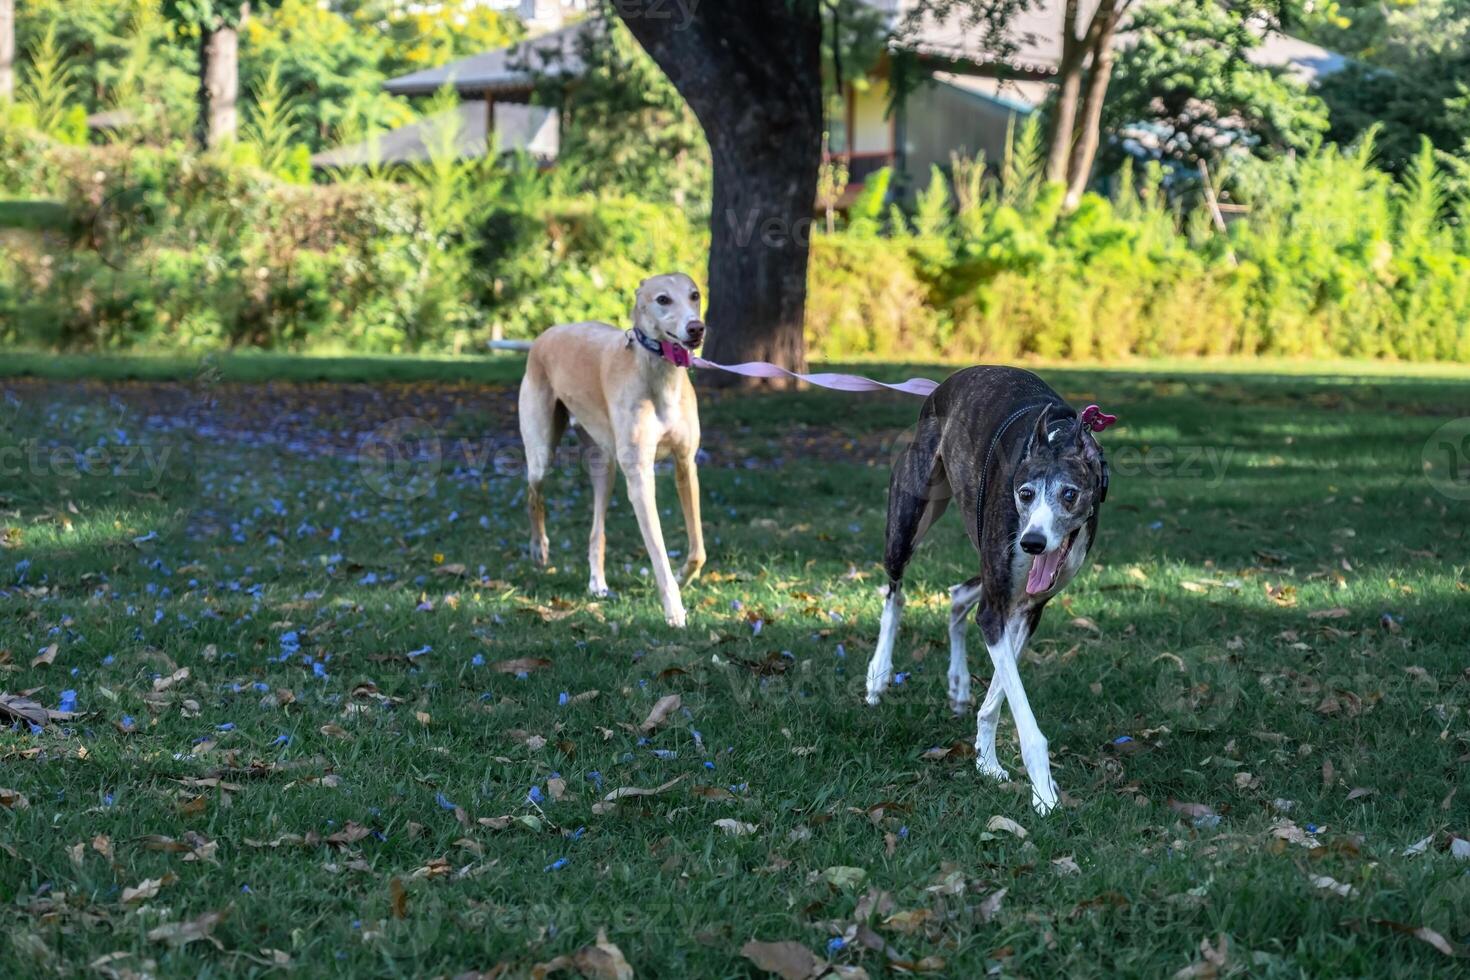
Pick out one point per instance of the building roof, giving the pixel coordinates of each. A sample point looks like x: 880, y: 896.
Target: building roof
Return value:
x: 1034, y: 50
x: 517, y: 128
x: 1035, y: 47
x: 504, y: 70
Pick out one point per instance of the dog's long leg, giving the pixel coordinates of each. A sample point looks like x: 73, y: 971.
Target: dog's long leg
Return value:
x: 880, y: 668
x: 639, y: 474
x: 986, y: 720
x: 543, y: 419
x: 962, y: 599
x: 686, y: 477
x: 917, y: 495
x: 601, y: 467
x: 1005, y: 642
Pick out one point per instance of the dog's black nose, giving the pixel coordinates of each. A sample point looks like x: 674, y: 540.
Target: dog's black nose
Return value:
x: 1033, y: 543
x: 696, y: 332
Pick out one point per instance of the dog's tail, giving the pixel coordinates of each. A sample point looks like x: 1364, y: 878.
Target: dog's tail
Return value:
x: 516, y: 345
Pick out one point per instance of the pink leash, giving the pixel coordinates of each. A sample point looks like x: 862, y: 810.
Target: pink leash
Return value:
x: 1093, y: 417
x: 837, y: 382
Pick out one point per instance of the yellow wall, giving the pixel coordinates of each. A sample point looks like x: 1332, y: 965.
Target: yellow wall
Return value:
x: 872, y: 129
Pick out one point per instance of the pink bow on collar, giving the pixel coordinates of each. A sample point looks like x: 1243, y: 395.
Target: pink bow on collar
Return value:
x: 1096, y: 419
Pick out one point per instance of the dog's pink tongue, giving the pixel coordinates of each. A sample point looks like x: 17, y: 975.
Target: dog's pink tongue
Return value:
x: 1044, y: 571
x: 676, y: 354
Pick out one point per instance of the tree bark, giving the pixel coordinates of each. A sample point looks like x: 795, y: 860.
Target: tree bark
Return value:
x: 7, y: 49
x: 751, y: 72
x: 1068, y: 89
x: 219, y: 82
x: 1079, y: 168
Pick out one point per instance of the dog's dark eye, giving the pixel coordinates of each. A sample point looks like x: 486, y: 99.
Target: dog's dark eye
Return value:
x: 1070, y: 495
x: 694, y: 296
x: 664, y: 300
x: 1026, y: 494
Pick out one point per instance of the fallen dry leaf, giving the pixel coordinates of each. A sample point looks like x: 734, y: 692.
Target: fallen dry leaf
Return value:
x: 164, y: 683
x: 908, y: 922
x: 1006, y: 824
x: 960, y: 749
x: 844, y: 877
x: 13, y: 707
x: 623, y: 792
x: 735, y: 828
x: 990, y: 907
x: 520, y: 665
x: 397, y: 898
x: 183, y: 933
x: 13, y: 799
x: 1418, y: 847
x: 665, y: 706
x: 147, y: 889
x: 1326, y: 883
x: 1422, y: 933
x: 602, y: 961
x: 788, y: 960
x: 1337, y: 612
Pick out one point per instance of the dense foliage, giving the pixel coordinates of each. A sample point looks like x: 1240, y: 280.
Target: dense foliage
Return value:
x: 1409, y: 76
x: 328, y: 60
x: 168, y: 249
x: 1184, y: 88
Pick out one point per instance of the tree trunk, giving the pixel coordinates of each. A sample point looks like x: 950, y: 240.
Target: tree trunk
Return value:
x: 219, y: 82
x: 1068, y: 89
x: 1079, y: 169
x: 751, y: 72
x: 1098, y: 43
x: 7, y: 49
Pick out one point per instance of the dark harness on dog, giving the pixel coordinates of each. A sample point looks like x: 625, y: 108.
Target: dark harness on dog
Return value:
x: 1102, y: 489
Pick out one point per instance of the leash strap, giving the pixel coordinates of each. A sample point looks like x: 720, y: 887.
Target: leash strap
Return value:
x: 923, y: 387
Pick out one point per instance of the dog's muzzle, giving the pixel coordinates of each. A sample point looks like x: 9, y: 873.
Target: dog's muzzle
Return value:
x: 695, y: 330
x: 1033, y: 543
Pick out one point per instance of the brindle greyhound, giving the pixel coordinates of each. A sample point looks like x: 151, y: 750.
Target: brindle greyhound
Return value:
x: 1029, y: 478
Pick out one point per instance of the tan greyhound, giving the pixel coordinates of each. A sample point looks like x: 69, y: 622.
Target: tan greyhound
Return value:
x: 629, y: 392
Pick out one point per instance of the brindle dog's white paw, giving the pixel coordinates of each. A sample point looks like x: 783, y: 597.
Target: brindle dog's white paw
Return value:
x: 1044, y: 802
x: 598, y: 590
x: 878, y: 681
x: 991, y: 770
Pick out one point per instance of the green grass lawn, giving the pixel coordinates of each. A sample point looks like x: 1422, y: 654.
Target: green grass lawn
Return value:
x: 322, y: 721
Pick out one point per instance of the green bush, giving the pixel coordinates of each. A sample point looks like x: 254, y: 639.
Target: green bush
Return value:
x: 168, y: 249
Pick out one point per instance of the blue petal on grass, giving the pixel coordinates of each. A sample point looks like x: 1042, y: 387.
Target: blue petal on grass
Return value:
x: 556, y: 865
x: 445, y: 803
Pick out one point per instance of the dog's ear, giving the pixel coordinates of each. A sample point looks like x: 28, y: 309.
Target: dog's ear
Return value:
x: 1087, y: 444
x: 640, y: 308
x: 1039, y: 434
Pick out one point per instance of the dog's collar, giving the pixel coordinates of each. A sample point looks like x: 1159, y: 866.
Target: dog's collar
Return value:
x: 673, y: 353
